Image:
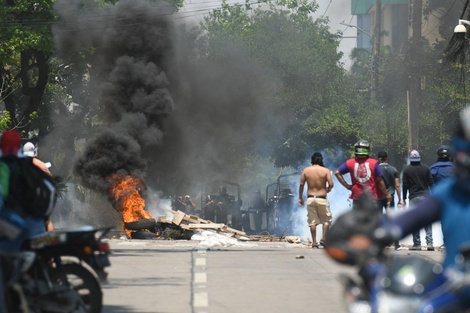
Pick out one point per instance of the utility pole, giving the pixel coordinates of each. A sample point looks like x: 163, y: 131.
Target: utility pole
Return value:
x: 375, y: 53
x: 414, y: 103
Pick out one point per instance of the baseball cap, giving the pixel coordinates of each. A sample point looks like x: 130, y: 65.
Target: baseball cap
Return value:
x: 382, y: 155
x: 414, y: 156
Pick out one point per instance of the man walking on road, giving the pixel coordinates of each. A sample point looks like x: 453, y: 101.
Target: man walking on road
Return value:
x: 366, y: 174
x: 319, y: 181
x: 392, y: 182
x: 417, y: 179
x: 444, y: 167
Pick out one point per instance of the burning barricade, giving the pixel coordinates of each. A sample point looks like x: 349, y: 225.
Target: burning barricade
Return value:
x: 137, y: 223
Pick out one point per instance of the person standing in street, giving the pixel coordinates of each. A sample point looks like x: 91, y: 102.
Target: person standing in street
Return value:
x: 392, y: 182
x: 30, y: 150
x: 366, y: 174
x: 178, y: 204
x: 189, y: 205
x: 319, y: 183
x: 257, y: 207
x: 417, y: 182
x: 444, y: 167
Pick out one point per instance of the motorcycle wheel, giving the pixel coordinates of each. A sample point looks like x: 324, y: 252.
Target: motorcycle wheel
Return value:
x: 86, y: 285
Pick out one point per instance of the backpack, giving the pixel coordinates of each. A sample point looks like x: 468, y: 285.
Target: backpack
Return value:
x: 32, y: 191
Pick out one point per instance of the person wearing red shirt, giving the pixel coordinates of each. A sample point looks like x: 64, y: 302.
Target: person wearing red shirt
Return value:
x: 366, y: 174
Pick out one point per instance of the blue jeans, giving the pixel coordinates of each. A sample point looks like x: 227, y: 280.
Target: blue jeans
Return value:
x: 28, y: 226
x: 428, y: 228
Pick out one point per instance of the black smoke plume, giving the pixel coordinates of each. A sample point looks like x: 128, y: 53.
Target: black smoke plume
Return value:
x: 166, y: 115
x: 130, y: 39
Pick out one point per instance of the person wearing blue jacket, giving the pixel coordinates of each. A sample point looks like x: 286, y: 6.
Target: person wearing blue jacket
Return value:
x: 448, y: 202
x: 444, y: 167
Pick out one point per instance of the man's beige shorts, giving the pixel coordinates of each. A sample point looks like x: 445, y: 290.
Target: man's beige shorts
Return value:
x: 318, y: 211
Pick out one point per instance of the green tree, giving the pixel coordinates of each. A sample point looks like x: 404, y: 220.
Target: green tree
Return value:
x: 26, y: 46
x: 316, y: 98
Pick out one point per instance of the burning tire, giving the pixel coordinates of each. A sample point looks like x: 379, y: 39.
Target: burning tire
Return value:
x: 143, y: 235
x: 142, y: 224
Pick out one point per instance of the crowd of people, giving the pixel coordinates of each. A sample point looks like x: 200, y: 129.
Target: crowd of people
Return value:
x: 437, y: 193
x: 380, y: 180
x: 389, y: 188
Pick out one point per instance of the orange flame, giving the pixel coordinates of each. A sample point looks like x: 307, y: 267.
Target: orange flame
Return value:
x: 126, y: 197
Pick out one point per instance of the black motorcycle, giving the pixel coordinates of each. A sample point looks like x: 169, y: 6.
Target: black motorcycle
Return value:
x: 59, y: 271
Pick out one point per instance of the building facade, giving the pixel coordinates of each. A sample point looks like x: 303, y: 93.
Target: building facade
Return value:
x: 394, y: 24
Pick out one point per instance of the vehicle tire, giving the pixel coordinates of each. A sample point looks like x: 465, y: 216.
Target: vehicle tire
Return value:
x: 142, y: 224
x: 86, y: 285
x: 143, y: 235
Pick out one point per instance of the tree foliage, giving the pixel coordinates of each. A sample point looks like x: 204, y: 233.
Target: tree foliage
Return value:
x: 318, y: 101
x: 26, y: 47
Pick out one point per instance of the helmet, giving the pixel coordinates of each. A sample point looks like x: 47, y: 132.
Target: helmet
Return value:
x: 443, y: 152
x: 350, y: 239
x: 362, y: 147
x: 29, y: 149
x: 10, y: 142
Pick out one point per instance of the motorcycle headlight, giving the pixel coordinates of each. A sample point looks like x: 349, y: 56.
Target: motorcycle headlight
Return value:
x: 392, y: 303
x: 358, y: 307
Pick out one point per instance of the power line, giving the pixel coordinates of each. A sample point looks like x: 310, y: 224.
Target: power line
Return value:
x: 98, y: 17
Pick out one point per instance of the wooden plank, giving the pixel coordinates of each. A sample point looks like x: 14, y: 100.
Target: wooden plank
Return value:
x: 233, y: 230
x: 164, y: 220
x: 196, y: 219
x: 243, y: 238
x: 178, y: 217
x: 200, y: 225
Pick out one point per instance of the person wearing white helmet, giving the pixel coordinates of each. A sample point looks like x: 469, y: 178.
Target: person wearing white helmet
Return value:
x: 30, y: 150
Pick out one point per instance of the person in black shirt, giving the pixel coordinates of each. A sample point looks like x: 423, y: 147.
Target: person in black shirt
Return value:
x: 392, y: 182
x: 417, y: 181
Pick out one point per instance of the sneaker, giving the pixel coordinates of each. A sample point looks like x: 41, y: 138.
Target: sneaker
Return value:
x: 414, y: 247
x: 322, y: 243
x: 399, y: 248
x: 430, y: 248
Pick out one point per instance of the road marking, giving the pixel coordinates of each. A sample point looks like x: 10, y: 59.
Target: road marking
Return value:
x: 200, y: 262
x: 200, y: 278
x: 201, y: 299
x: 200, y: 295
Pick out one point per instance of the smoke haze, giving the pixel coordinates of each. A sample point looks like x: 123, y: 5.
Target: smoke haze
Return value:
x: 164, y: 116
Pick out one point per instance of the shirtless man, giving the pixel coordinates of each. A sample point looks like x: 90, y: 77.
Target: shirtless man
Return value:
x: 319, y: 181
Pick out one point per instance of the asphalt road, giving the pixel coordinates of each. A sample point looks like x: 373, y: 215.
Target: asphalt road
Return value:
x: 223, y: 275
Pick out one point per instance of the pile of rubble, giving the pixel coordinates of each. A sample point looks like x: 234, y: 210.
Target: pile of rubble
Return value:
x: 193, y: 223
